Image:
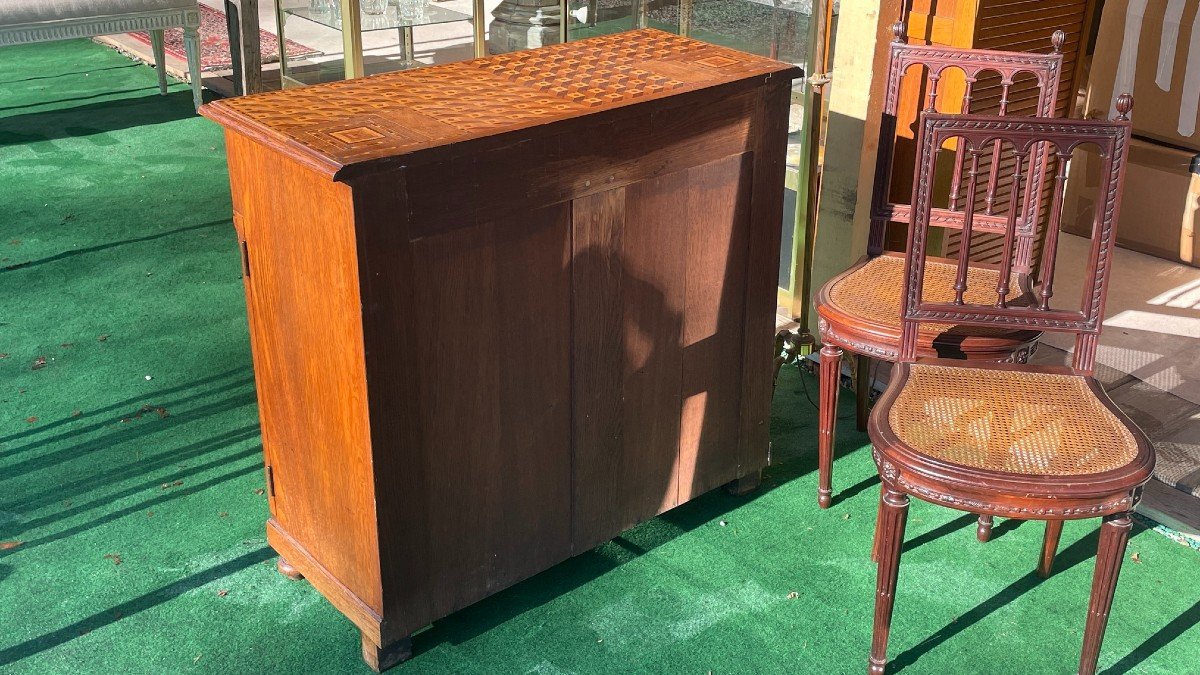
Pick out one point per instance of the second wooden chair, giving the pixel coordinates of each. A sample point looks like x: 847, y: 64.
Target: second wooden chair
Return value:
x: 859, y: 310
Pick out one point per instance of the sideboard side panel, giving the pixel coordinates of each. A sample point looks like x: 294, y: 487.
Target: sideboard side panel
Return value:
x: 628, y: 277
x: 769, y: 133
x: 717, y: 207
x: 306, y: 335
x: 469, y: 354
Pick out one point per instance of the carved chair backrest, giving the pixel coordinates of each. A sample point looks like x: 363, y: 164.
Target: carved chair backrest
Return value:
x: 936, y: 62
x: 1027, y: 306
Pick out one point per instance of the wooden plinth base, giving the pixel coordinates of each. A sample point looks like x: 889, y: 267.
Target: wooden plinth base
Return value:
x: 382, y: 658
x: 744, y: 485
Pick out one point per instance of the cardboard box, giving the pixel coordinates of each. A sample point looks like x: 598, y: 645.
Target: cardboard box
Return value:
x: 1150, y: 48
x: 1160, y: 210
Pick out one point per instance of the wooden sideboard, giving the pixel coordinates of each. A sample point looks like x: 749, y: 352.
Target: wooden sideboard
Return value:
x: 504, y: 309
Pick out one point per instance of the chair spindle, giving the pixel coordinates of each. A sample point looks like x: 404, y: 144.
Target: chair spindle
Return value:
x: 1010, y: 230
x: 956, y: 177
x: 1046, y: 285
x: 964, y: 249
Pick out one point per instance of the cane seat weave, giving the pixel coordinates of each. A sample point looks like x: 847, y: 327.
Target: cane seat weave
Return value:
x: 871, y: 293
x: 1019, y: 422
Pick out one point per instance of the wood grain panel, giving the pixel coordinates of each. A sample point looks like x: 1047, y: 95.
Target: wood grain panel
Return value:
x: 496, y: 442
x: 306, y: 336
x: 597, y: 293
x: 766, y: 212
x: 717, y: 207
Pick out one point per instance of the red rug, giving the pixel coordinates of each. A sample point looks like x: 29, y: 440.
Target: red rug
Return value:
x: 214, y: 42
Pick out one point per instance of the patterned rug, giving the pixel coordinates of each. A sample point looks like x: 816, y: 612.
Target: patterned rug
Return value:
x: 214, y: 42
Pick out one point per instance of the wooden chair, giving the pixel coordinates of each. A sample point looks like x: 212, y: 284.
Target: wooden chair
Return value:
x: 1013, y: 440
x: 859, y: 310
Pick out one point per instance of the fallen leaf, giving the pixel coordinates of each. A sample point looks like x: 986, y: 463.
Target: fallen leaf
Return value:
x: 167, y: 486
x: 39, y: 363
x: 223, y: 514
x: 76, y: 413
x: 1135, y: 557
x: 114, y: 557
x: 67, y: 345
x: 31, y: 419
x: 3, y: 356
x: 222, y: 593
x: 9, y: 545
x: 162, y: 413
x: 259, y: 491
x: 102, y: 338
x: 793, y: 595
x: 149, y: 514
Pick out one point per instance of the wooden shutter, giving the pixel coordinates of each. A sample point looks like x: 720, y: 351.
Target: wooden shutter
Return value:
x: 1023, y: 26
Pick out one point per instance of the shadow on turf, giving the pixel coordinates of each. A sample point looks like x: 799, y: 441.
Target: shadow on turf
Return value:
x: 65, y: 255
x: 123, y: 406
x: 70, y: 74
x: 1076, y: 553
x: 100, y: 117
x: 129, y: 608
x: 1165, y: 635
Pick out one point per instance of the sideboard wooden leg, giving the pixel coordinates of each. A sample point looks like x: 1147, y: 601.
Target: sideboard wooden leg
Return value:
x: 382, y: 658
x: 285, y: 568
x: 746, y: 484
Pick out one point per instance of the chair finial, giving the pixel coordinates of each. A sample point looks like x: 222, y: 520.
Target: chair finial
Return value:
x: 1057, y: 39
x: 898, y: 32
x: 1124, y: 105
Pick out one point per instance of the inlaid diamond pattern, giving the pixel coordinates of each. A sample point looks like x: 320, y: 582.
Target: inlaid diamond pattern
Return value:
x: 457, y: 101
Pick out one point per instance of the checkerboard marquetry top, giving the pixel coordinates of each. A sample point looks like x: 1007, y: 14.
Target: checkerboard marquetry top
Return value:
x: 357, y: 121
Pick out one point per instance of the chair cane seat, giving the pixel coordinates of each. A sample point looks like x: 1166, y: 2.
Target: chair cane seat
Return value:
x: 863, y: 305
x: 1009, y: 421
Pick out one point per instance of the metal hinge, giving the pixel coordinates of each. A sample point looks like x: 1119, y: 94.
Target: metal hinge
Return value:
x: 270, y: 482
x: 245, y: 260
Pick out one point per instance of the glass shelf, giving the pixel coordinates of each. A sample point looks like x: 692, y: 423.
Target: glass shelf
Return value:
x: 389, y: 20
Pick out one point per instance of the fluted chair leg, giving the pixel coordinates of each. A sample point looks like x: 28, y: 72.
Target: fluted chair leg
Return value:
x: 831, y: 372
x: 878, y: 518
x: 893, y: 512
x: 1049, y: 547
x: 1114, y: 535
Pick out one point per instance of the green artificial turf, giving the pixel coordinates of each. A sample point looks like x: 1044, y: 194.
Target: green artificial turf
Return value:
x: 130, y: 471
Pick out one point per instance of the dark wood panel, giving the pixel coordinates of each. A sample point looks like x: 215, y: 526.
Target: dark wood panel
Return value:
x: 598, y: 223
x: 766, y: 212
x: 717, y: 207
x: 654, y: 265
x: 617, y: 150
x: 496, y: 442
